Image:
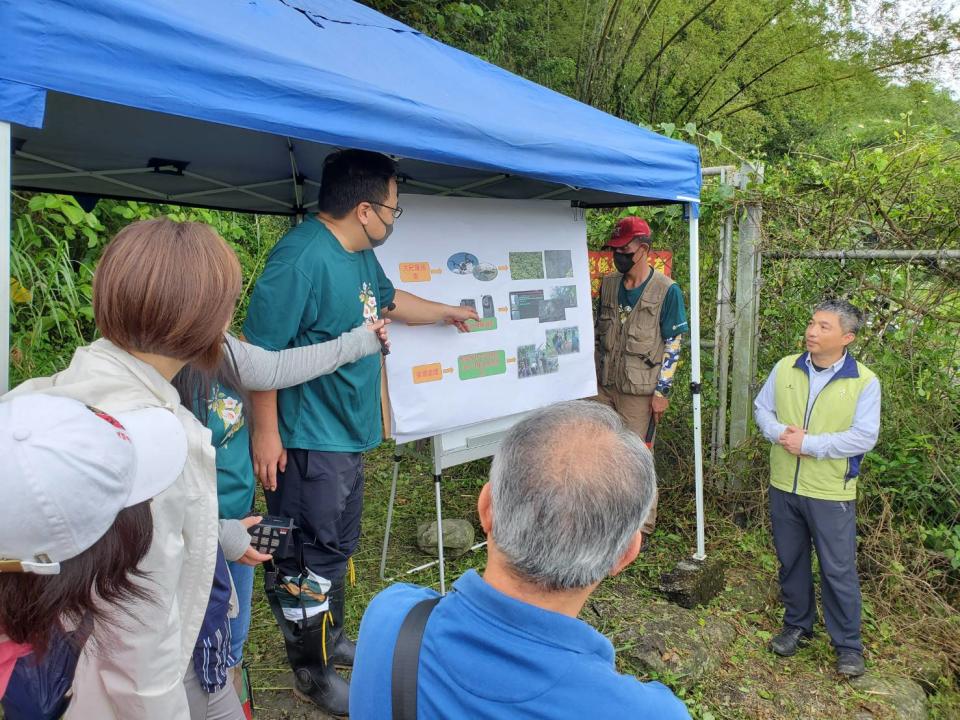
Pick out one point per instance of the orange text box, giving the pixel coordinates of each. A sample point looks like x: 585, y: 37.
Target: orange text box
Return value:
x: 427, y: 373
x: 414, y: 272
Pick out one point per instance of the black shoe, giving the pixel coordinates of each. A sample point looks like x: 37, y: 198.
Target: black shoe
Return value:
x: 344, y: 649
x: 789, y: 640
x: 315, y: 679
x: 850, y: 663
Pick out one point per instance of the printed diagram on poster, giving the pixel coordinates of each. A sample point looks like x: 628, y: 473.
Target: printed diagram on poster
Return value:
x: 522, y: 265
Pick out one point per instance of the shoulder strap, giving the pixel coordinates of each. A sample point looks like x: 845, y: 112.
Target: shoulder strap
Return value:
x: 406, y: 660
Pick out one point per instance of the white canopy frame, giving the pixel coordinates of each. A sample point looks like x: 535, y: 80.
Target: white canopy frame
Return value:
x: 219, y: 187
x: 693, y: 220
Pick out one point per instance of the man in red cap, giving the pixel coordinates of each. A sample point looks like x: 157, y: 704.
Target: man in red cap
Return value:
x: 640, y: 321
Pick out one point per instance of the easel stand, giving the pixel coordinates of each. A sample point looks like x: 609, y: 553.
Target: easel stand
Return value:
x: 446, y: 451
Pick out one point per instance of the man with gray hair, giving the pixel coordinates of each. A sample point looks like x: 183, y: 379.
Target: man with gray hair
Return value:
x: 568, y: 493
x: 821, y: 412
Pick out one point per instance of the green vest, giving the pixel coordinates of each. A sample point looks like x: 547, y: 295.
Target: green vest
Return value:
x: 833, y: 411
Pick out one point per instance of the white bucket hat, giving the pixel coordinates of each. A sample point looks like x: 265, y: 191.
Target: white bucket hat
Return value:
x: 69, y: 469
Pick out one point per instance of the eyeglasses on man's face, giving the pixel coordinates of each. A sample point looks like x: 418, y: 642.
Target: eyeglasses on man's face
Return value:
x: 395, y: 211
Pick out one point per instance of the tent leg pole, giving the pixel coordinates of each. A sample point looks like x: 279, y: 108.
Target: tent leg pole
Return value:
x: 436, y: 490
x: 6, y: 219
x: 694, y: 220
x: 393, y: 496
x: 437, y: 451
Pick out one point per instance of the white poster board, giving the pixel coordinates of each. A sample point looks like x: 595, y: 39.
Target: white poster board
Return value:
x: 523, y: 265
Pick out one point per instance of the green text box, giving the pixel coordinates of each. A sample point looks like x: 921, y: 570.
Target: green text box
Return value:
x: 481, y: 325
x: 478, y: 365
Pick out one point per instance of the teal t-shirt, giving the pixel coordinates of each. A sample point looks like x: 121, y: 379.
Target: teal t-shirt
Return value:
x: 313, y: 290
x: 673, y: 313
x: 231, y: 440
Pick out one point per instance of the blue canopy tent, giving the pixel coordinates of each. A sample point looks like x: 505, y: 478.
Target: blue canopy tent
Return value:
x: 233, y: 105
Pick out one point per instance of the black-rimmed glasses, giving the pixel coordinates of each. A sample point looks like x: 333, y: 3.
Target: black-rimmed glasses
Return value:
x: 397, y: 211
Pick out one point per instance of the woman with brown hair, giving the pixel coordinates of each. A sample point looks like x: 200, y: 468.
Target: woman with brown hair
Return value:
x: 74, y: 525
x: 163, y: 295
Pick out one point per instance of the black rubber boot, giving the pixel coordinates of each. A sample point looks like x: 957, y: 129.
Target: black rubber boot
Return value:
x: 315, y: 679
x: 344, y: 648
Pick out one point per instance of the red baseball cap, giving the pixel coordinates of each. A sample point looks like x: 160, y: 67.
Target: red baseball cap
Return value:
x: 626, y: 230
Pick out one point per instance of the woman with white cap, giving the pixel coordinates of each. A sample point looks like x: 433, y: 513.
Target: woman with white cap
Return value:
x: 164, y: 292
x: 75, y: 519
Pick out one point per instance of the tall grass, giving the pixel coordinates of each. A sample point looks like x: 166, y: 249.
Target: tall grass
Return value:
x: 51, y: 304
x: 55, y: 248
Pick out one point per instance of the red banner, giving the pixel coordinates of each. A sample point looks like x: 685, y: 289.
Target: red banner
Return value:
x: 601, y: 263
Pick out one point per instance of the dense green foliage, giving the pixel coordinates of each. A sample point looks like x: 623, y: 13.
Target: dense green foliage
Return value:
x: 55, y: 247
x: 898, y: 194
x: 767, y: 74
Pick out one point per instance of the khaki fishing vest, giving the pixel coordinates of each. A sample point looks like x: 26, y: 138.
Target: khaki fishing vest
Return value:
x: 629, y: 354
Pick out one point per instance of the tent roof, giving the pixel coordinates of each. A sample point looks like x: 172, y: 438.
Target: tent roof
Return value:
x: 236, y: 104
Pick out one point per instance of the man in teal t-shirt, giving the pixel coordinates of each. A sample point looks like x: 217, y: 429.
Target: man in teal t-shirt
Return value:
x: 313, y: 290
x: 321, y: 280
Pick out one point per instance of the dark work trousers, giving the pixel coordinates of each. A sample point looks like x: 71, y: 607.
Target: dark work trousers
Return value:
x: 831, y: 525
x: 323, y: 493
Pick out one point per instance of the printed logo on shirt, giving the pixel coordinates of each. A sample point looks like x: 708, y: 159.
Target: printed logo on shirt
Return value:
x: 230, y: 411
x: 369, y: 302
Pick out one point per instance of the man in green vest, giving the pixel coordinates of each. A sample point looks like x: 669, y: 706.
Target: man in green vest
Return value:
x: 821, y: 411
x: 640, y: 321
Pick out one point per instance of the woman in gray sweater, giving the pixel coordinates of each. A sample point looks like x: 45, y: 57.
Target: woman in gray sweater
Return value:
x: 218, y: 402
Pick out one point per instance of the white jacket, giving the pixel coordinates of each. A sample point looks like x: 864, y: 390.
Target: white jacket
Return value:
x: 134, y: 669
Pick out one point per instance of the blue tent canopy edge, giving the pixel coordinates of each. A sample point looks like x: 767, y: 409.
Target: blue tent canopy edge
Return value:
x: 254, y: 95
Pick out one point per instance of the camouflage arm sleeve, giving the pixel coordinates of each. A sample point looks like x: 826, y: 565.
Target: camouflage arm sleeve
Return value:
x: 671, y: 358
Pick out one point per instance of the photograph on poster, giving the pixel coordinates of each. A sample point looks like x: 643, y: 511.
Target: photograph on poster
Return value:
x: 566, y: 293
x: 533, y: 360
x: 525, y: 304
x: 526, y: 265
x: 552, y: 311
x: 564, y: 341
x: 486, y: 302
x: 559, y: 263
x: 486, y: 309
x: 485, y: 272
x: 462, y: 263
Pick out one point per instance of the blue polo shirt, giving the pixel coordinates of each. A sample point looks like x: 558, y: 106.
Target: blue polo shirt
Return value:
x: 487, y: 655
